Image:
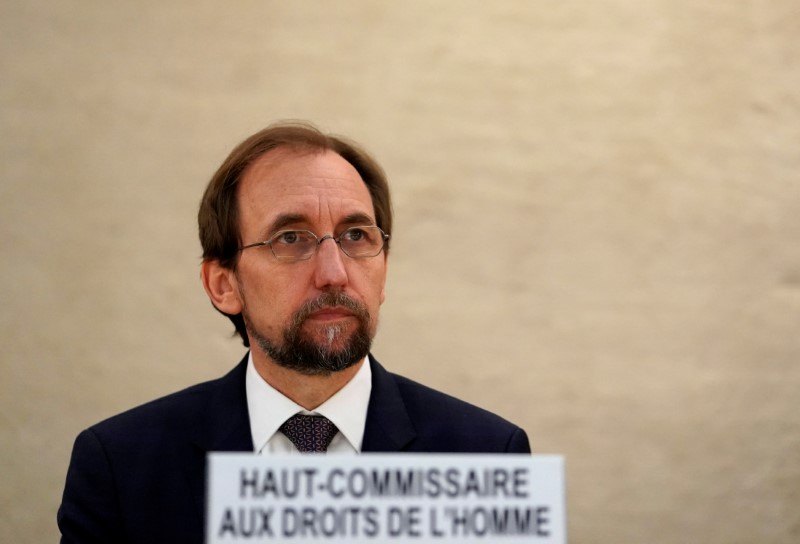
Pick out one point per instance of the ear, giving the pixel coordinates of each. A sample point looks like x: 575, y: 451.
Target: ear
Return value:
x: 221, y: 287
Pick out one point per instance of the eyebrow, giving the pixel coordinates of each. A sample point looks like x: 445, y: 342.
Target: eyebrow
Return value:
x: 287, y: 219
x: 358, y: 218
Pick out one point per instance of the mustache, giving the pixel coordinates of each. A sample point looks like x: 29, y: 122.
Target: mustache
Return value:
x: 330, y: 299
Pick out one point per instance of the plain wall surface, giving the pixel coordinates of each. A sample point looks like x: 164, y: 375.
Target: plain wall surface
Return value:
x: 597, y: 223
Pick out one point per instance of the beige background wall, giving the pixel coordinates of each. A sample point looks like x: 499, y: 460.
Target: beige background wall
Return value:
x: 598, y: 214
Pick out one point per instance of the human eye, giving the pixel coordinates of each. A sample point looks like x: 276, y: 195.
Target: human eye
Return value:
x: 355, y: 234
x: 369, y: 235
x: 361, y: 241
x: 291, y: 237
x: 293, y: 245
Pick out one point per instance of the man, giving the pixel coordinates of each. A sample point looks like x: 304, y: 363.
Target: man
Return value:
x: 295, y: 228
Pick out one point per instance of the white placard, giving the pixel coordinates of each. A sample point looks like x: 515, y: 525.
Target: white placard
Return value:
x: 425, y: 499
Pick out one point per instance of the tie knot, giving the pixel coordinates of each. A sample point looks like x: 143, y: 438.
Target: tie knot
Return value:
x: 309, y: 433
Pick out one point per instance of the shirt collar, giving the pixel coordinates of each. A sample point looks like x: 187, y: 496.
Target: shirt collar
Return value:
x: 269, y: 408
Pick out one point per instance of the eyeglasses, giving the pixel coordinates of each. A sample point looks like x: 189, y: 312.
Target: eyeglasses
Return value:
x: 299, y: 245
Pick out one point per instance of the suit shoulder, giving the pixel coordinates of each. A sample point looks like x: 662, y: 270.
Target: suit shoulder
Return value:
x: 174, y: 410
x: 430, y: 402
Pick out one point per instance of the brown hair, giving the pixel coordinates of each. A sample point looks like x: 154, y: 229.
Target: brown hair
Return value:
x: 218, y: 217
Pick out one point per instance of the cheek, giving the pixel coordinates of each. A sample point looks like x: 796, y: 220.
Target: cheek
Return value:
x: 382, y: 292
x: 377, y: 286
x: 260, y: 294
x: 384, y: 268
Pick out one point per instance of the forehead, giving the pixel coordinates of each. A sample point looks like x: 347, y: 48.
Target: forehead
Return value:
x: 317, y: 185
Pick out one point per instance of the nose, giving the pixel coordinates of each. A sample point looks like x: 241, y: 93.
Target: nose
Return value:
x: 329, y: 268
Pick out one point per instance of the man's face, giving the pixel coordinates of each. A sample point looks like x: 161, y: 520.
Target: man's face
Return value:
x: 318, y: 315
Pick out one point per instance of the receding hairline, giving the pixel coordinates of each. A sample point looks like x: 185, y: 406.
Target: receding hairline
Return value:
x: 218, y: 220
x: 280, y: 155
x: 297, y: 149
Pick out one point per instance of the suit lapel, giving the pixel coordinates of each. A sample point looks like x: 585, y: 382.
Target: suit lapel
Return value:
x: 388, y: 427
x: 224, y: 425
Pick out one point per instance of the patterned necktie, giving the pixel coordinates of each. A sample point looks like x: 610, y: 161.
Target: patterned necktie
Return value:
x: 309, y: 433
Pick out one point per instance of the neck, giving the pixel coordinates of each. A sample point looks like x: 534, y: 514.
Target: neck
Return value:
x: 307, y: 391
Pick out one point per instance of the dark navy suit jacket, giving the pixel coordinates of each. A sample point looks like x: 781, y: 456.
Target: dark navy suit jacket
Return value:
x: 139, y: 477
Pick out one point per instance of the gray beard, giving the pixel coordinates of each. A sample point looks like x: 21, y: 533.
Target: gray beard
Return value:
x: 301, y: 353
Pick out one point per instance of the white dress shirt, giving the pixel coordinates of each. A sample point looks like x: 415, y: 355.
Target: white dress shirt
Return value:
x: 269, y: 409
